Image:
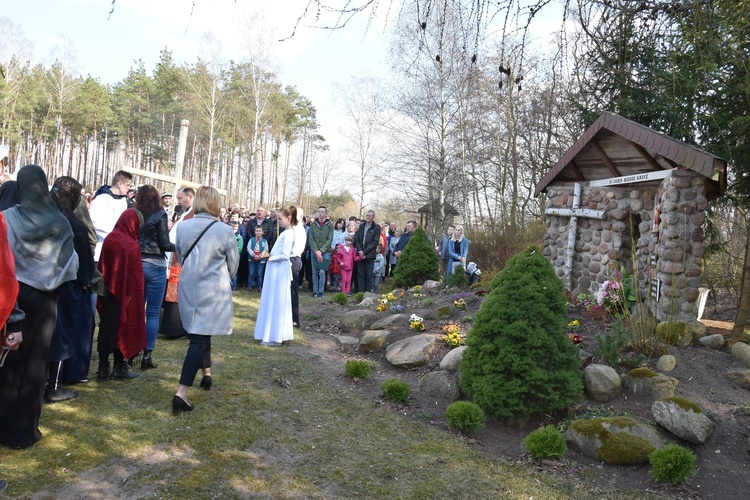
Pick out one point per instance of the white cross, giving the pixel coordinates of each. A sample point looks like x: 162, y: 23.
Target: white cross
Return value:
x: 573, y: 213
x: 176, y: 179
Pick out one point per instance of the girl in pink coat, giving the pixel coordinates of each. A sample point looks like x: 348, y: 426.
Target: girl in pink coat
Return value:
x: 346, y: 253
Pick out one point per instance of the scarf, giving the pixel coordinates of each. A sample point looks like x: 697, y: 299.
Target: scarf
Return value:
x: 41, y: 238
x: 8, y: 282
x: 8, y: 194
x: 121, y: 266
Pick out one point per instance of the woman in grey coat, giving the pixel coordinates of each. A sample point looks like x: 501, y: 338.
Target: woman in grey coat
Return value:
x: 208, y: 252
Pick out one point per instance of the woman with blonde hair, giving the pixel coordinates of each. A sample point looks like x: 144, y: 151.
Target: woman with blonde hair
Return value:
x: 458, y: 249
x: 208, y: 252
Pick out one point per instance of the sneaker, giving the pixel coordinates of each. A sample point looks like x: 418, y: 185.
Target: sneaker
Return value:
x: 270, y: 344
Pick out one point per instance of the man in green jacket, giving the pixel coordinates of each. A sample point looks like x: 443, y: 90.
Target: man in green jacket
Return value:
x: 320, y: 238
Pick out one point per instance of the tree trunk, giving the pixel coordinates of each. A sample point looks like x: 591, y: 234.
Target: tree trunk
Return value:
x: 744, y: 303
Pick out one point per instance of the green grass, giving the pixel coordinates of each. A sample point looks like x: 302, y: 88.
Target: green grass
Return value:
x: 250, y: 436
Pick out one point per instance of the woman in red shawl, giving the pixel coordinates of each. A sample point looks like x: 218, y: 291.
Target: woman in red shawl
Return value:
x: 122, y: 327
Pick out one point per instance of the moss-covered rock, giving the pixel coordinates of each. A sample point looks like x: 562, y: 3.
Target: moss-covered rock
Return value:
x: 614, y: 440
x: 444, y: 312
x: 674, y: 333
x: 648, y: 383
x: 685, y: 404
x: 643, y: 373
x: 683, y: 418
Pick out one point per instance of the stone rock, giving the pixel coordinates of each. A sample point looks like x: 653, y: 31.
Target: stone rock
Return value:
x: 372, y: 340
x: 675, y: 333
x: 347, y: 343
x: 602, y: 382
x: 740, y: 377
x: 618, y: 440
x: 411, y: 351
x: 687, y: 424
x: 452, y: 360
x: 440, y: 385
x: 696, y: 329
x: 715, y: 341
x: 367, y: 302
x: 357, y: 321
x: 666, y: 363
x: 741, y: 352
x: 387, y: 321
x: 654, y: 387
x: 445, y: 312
x: 431, y: 286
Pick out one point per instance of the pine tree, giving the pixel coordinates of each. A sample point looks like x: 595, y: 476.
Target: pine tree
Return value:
x: 417, y: 263
x: 519, y: 360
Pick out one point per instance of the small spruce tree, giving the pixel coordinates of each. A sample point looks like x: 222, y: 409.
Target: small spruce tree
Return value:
x: 417, y: 263
x: 519, y: 360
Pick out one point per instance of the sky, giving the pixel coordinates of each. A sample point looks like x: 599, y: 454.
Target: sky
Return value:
x: 108, y: 45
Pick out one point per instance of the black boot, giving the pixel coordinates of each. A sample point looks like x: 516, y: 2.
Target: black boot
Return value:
x: 122, y: 371
x: 103, y: 373
x: 54, y: 392
x: 147, y: 362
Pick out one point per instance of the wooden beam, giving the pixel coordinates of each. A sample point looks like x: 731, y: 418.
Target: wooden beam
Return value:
x: 605, y: 158
x: 671, y: 162
x: 646, y: 156
x: 577, y: 171
x: 170, y: 179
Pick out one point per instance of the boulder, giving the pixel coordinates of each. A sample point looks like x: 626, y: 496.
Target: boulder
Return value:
x: 440, y: 385
x: 740, y: 377
x: 372, y: 340
x: 411, y: 351
x: 602, y: 382
x: 431, y: 286
x: 368, y: 302
x: 696, y: 329
x: 387, y: 321
x: 674, y: 333
x: 357, y: 321
x: 371, y: 295
x: 452, y: 360
x: 346, y: 343
x: 615, y: 440
x: 648, y: 383
x: 684, y: 419
x: 715, y: 341
x: 666, y: 363
x: 741, y: 352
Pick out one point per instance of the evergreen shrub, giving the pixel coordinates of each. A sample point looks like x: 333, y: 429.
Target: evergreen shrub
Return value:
x: 358, y: 297
x: 340, y: 298
x: 672, y: 464
x: 358, y: 369
x: 519, y: 359
x: 395, y: 390
x: 465, y: 416
x: 458, y: 278
x: 545, y: 442
x: 417, y: 263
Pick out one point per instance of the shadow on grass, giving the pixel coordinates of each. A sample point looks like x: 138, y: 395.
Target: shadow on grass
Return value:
x: 250, y: 436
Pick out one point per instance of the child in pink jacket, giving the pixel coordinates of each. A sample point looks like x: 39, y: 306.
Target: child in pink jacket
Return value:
x: 346, y: 253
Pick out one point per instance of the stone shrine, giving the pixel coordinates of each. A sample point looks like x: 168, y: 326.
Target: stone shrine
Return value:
x: 627, y: 197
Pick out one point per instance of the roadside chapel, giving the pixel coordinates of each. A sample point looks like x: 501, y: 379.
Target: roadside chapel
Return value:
x: 626, y: 196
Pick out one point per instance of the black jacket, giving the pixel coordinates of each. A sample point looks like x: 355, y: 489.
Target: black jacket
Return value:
x: 154, y: 235
x: 370, y: 245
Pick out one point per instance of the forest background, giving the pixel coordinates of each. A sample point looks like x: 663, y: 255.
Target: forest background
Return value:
x: 480, y: 100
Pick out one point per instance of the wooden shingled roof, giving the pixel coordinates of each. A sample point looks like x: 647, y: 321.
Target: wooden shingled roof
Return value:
x: 614, y: 147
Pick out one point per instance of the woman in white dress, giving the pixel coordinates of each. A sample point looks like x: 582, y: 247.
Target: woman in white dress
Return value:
x: 274, y: 323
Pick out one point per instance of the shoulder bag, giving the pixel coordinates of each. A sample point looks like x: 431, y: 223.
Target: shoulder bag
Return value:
x: 184, y: 258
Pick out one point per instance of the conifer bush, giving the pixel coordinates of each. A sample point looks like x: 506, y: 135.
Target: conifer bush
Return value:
x: 358, y: 369
x: 340, y: 298
x: 458, y: 278
x: 672, y: 464
x: 417, y: 263
x: 545, y: 442
x: 395, y: 390
x: 465, y: 416
x: 519, y: 360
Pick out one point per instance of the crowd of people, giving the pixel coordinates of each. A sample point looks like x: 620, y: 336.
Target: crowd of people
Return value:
x: 147, y: 267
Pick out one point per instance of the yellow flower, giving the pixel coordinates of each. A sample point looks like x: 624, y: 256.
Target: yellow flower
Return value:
x: 574, y: 324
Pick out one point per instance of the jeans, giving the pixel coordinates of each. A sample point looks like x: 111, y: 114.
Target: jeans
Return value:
x: 198, y: 356
x: 155, y: 278
x: 255, y: 274
x: 319, y: 275
x: 376, y: 283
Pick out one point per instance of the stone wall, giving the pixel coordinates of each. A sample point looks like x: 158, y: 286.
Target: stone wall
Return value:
x: 653, y: 220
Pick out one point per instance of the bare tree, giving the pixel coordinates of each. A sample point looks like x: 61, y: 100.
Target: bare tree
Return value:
x: 361, y: 101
